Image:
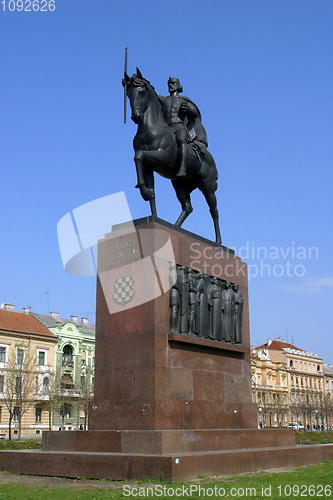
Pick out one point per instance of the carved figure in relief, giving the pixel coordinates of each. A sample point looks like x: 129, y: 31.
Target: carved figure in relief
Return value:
x: 174, y: 300
x: 192, y: 289
x: 215, y: 303
x: 184, y: 299
x: 228, y: 305
x: 202, y: 307
x: 238, y: 314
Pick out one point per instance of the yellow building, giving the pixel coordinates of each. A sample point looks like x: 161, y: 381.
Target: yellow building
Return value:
x: 27, y: 357
x: 269, y: 389
x: 328, y: 395
x: 299, y: 376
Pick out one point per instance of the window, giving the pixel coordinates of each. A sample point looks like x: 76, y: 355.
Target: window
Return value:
x: 83, y: 383
x: 283, y: 382
x: 19, y: 356
x: 314, y: 384
x: 296, y: 380
x: 291, y: 363
x: 1, y: 383
x: 301, y: 365
x: 304, y: 366
x: 38, y: 416
x: 259, y: 380
x: 65, y: 411
x: 45, y: 385
x: 41, y: 358
x: 16, y: 414
x: 18, y: 385
x: 0, y: 412
x: 318, y: 384
x: 301, y: 382
x: 269, y: 380
x: 2, y: 354
x: 36, y: 384
x: 292, y: 380
x: 67, y: 357
x: 295, y: 364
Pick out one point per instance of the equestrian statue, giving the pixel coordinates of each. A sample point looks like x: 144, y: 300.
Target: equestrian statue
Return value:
x: 171, y: 141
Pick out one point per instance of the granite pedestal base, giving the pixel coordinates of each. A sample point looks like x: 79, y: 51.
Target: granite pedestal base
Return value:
x: 167, y: 405
x: 169, y: 467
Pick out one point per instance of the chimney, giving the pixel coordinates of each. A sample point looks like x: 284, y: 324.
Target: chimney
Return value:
x: 269, y: 341
x: 283, y: 340
x: 84, y: 320
x: 73, y: 318
x: 9, y: 307
x: 54, y: 315
x: 26, y: 310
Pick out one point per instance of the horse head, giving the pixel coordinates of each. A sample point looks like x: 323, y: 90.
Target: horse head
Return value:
x: 137, y: 89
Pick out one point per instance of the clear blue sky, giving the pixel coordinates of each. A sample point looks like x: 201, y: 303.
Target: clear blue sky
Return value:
x: 261, y: 74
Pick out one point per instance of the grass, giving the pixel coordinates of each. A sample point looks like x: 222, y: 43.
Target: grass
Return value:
x: 312, y: 482
x: 315, y: 437
x: 20, y: 445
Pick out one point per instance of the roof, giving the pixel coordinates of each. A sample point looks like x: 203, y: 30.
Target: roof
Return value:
x: 51, y: 322
x: 278, y: 345
x: 21, y: 323
x: 328, y: 369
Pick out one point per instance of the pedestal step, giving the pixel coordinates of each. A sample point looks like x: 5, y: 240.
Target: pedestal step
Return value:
x: 166, y: 441
x: 169, y: 467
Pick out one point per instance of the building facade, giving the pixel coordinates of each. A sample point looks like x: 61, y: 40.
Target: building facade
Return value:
x: 301, y: 382
x: 74, y: 369
x: 27, y: 355
x: 328, y: 395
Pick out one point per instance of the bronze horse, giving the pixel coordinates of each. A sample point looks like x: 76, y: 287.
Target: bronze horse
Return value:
x: 156, y: 150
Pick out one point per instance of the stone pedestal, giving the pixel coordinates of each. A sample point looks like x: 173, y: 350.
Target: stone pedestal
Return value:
x: 167, y: 405
x: 146, y: 377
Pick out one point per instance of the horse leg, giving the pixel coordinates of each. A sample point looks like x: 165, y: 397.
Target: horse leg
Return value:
x: 208, y: 190
x: 149, y: 182
x: 183, y: 195
x: 146, y: 192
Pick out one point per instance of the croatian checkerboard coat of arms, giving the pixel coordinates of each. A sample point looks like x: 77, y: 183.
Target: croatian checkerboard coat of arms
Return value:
x: 123, y: 290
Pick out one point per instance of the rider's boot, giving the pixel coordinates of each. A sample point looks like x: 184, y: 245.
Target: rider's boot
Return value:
x: 183, y: 156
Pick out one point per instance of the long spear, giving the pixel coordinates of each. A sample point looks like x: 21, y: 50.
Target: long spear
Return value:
x: 125, y: 87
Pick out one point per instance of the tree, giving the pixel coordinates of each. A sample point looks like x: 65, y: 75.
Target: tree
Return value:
x: 46, y: 393
x: 19, y: 383
x: 87, y: 392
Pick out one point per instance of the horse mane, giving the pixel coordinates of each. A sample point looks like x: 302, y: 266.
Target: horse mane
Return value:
x: 136, y: 81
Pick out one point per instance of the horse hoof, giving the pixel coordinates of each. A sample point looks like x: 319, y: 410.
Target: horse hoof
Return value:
x: 147, y: 194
